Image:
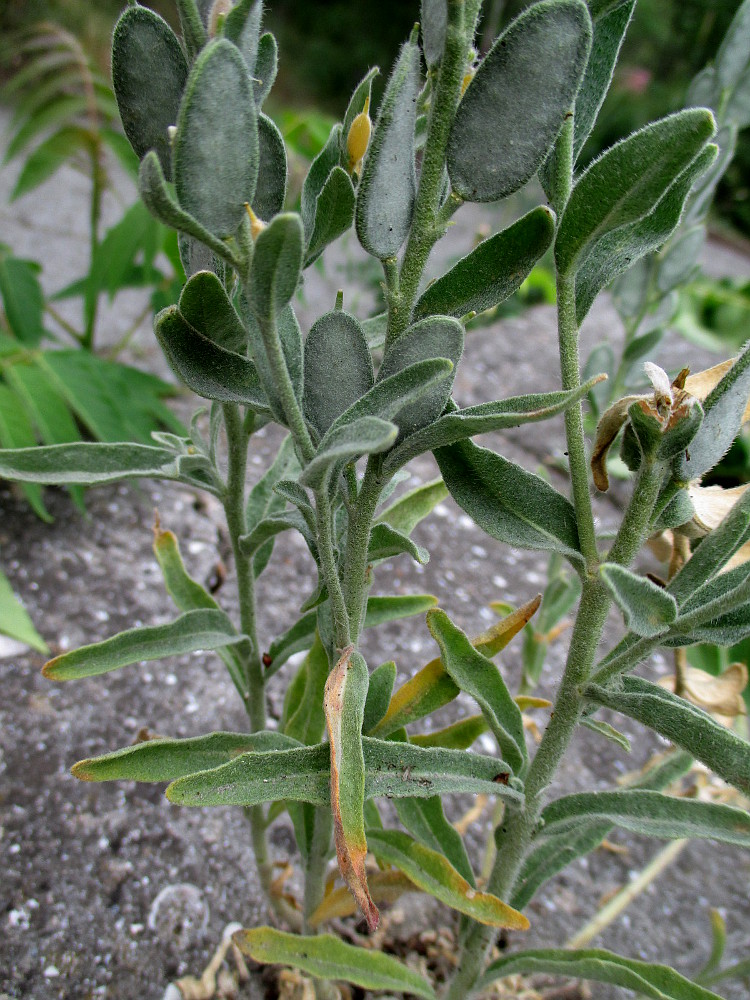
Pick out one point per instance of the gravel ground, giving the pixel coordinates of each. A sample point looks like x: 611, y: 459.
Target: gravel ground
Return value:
x: 92, y: 897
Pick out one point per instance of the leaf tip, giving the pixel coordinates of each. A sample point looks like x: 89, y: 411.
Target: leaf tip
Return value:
x: 82, y: 770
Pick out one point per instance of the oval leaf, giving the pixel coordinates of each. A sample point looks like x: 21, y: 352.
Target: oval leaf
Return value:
x: 338, y: 368
x: 149, y: 73
x: 216, y: 148
x: 387, y: 188
x: 514, y: 107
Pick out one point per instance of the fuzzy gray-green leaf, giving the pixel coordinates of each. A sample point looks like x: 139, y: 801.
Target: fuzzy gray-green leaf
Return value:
x: 617, y: 250
x: 206, y: 628
x: 288, y: 331
x: 346, y: 443
x: 648, y: 609
x: 164, y: 759
x: 270, y: 190
x: 317, y: 175
x: 266, y: 67
x: 481, y: 419
x: 628, y: 181
x: 684, y: 724
x: 434, y: 21
x: 734, y: 52
x: 334, y: 213
x: 433, y: 337
x: 276, y: 267
x: 514, y: 107
x: 216, y: 149
x: 211, y: 371
x: 387, y: 188
x: 338, y: 368
x: 86, y: 462
x: 492, y: 271
x: 651, y: 814
x: 478, y: 676
x: 723, y: 412
x: 149, y: 73
x: 646, y: 979
x: 205, y: 306
x: 509, y: 503
x: 242, y: 26
x: 386, y: 542
x: 379, y: 693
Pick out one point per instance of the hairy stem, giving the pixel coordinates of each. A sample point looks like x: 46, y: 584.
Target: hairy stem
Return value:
x: 424, y: 232
x: 358, y: 540
x: 329, y: 567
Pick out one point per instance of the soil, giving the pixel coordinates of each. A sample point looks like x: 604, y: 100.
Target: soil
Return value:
x: 108, y: 890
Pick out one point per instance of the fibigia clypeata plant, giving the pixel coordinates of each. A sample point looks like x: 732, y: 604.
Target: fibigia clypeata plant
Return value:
x: 447, y: 131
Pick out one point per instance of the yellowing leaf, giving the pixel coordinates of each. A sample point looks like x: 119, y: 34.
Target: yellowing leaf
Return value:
x: 385, y: 887
x: 344, y: 704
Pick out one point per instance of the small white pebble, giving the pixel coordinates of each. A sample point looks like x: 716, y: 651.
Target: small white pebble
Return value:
x: 51, y: 972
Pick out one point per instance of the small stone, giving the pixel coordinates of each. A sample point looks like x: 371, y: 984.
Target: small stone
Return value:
x: 179, y: 915
x: 51, y: 972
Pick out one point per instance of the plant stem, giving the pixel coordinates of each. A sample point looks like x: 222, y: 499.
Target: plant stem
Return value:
x: 234, y: 508
x: 358, y: 540
x: 278, y: 904
x: 316, y: 865
x: 329, y: 567
x: 569, y: 362
x: 424, y: 232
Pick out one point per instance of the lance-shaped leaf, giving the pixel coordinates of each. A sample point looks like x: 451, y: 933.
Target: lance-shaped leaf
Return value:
x: 216, y: 148
x: 389, y: 396
x: 411, y: 508
x: 386, y: 542
x: 344, y: 704
x: 266, y: 67
x: 483, y: 418
x: 432, y: 687
x: 713, y: 552
x: 617, y: 250
x: 338, y: 368
x: 475, y: 674
x: 276, y: 267
x: 705, y: 618
x: 609, y: 32
x: 433, y: 337
x: 648, y: 609
x: 269, y: 527
x: 365, y: 436
x: 379, y: 610
x: 434, y: 874
x: 657, y: 982
x: 307, y: 722
x: 724, y: 408
x: 317, y: 175
x: 205, y: 306
x: 493, y: 271
x: 242, y: 26
x: 392, y: 769
x: 209, y: 370
x: 379, y: 693
x: 553, y: 854
x: 458, y: 736
x: 434, y: 21
x: 385, y: 887
x: 149, y: 73
x: 334, y: 213
x: 162, y: 759
x: 270, y: 190
x: 652, y: 814
x: 86, y: 462
x: 205, y: 628
x: 507, y: 502
x: 734, y: 52
x: 327, y: 957
x: 628, y: 181
x: 189, y: 595
x: 157, y: 197
x: 683, y: 723
x: 387, y: 187
x: 425, y: 820
x: 514, y: 107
